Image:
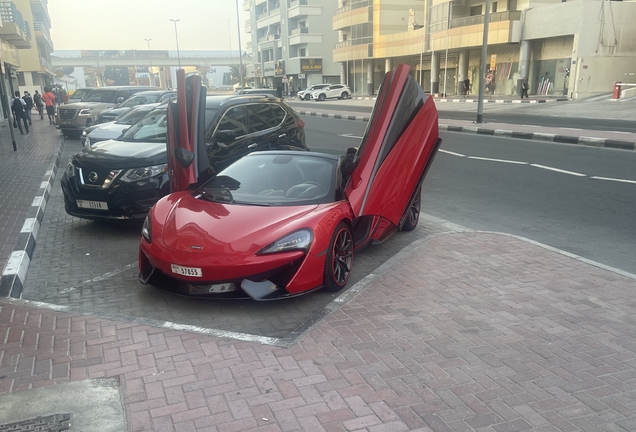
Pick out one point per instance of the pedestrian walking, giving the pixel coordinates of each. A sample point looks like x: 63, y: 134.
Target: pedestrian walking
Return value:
x: 18, y: 106
x: 49, y: 101
x: 28, y: 100
x: 524, y: 87
x: 279, y: 90
x: 466, y: 86
x: 39, y: 105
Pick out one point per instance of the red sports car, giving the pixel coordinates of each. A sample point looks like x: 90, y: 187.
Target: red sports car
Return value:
x: 282, y: 223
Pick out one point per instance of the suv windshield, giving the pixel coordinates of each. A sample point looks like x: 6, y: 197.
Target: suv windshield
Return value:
x: 140, y: 100
x: 99, y: 95
x: 79, y: 94
x: 131, y: 117
x: 151, y: 128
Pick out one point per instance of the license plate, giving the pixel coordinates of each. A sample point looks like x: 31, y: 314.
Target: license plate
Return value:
x: 186, y: 271
x: 212, y: 289
x: 94, y: 205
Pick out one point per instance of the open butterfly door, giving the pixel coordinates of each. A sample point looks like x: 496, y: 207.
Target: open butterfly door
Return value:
x: 187, y: 157
x: 397, y: 149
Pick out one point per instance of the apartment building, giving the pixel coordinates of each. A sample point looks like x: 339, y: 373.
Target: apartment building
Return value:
x: 572, y: 48
x: 291, y: 43
x: 35, y: 69
x: 15, y: 37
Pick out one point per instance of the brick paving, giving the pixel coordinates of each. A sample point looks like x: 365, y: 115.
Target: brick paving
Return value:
x: 470, y: 331
x: 21, y: 173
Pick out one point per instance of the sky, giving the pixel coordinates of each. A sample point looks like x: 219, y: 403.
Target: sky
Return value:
x: 124, y: 24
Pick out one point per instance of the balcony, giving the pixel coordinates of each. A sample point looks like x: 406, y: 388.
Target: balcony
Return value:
x: 46, y: 66
x: 15, y: 29
x: 300, y: 8
x: 351, y: 15
x: 248, y: 26
x: 268, y: 18
x: 246, y: 5
x: 302, y: 36
x: 479, y: 19
x: 42, y: 31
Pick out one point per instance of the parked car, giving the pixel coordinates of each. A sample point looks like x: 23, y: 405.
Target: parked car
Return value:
x: 260, y: 91
x: 141, y: 98
x: 78, y: 95
x: 334, y: 91
x: 306, y: 94
x: 280, y: 224
x: 114, y: 129
x: 73, y: 118
x: 123, y: 178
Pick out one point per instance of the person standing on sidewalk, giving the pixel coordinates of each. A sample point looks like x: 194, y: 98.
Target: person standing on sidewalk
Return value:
x: 28, y: 100
x: 18, y: 106
x: 524, y: 87
x: 49, y: 100
x: 466, y: 86
x: 39, y: 105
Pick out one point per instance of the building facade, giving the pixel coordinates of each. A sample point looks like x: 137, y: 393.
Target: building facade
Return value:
x: 291, y: 43
x: 574, y: 48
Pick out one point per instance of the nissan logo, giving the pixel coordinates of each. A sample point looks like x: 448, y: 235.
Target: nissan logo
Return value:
x: 92, y: 177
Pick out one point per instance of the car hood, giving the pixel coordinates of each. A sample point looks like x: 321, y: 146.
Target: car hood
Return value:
x: 82, y: 105
x: 114, y: 154
x: 199, y: 226
x: 97, y: 126
x: 107, y: 130
x: 116, y: 111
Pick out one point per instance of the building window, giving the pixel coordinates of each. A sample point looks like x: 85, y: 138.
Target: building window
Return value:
x: 494, y: 7
x: 20, y: 76
x: 302, y: 52
x: 476, y: 10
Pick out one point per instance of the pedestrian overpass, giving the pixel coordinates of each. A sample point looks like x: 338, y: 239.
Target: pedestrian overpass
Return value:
x: 140, y: 61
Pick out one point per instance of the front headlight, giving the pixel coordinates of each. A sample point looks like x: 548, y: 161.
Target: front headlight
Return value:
x: 136, y: 174
x: 85, y: 111
x: 87, y: 142
x: 146, y: 232
x: 300, y: 240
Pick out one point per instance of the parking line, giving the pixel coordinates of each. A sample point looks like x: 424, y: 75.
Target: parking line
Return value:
x: 350, y: 136
x: 614, y: 179
x: 558, y: 170
x: 451, y: 153
x: 498, y: 160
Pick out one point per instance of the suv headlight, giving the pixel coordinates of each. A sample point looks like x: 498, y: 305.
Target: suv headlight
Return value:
x: 70, y: 169
x: 136, y: 174
x: 299, y: 240
x: 85, y: 111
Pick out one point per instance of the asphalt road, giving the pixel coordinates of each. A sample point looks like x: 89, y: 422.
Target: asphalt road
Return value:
x: 591, y: 217
x: 491, y: 116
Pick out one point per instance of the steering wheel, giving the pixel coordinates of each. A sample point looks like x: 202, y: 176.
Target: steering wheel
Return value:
x: 318, y: 185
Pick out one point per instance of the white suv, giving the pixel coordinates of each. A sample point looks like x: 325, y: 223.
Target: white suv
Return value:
x: 306, y: 94
x: 335, y: 91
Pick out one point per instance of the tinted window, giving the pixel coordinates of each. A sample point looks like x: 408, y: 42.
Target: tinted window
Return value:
x: 279, y: 113
x: 166, y: 97
x: 140, y: 100
x: 151, y: 128
x: 261, y: 117
x: 234, y: 120
x: 123, y: 94
x: 80, y: 93
x: 131, y: 117
x: 105, y: 96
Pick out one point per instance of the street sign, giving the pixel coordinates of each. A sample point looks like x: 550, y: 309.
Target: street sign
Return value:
x: 493, y: 61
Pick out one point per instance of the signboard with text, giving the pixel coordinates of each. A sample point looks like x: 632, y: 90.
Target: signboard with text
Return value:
x: 279, y: 69
x: 311, y: 65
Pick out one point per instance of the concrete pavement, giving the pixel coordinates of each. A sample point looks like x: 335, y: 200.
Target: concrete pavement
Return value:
x: 460, y: 331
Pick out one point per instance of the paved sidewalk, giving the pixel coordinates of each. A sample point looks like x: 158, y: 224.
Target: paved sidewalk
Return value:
x: 21, y: 175
x: 470, y: 331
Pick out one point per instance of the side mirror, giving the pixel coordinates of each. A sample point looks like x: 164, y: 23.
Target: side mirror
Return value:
x: 120, y: 99
x: 184, y: 157
x: 225, y: 136
x: 348, y: 164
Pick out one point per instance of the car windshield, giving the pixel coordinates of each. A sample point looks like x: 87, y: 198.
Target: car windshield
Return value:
x: 140, y: 100
x: 99, y: 95
x: 131, y: 117
x: 274, y: 180
x: 79, y: 94
x: 151, y: 128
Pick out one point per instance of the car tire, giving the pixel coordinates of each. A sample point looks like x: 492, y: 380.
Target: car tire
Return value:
x: 344, y: 95
x: 307, y: 97
x: 339, y: 259
x: 413, y: 212
x: 322, y: 97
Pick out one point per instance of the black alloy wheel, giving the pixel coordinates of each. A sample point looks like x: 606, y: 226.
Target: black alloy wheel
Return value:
x: 322, y: 97
x: 307, y: 97
x: 413, y: 212
x: 339, y: 259
x: 344, y: 95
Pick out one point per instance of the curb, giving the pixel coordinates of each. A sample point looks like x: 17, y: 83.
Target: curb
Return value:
x: 538, y: 136
x: 514, y: 101
x: 14, y: 274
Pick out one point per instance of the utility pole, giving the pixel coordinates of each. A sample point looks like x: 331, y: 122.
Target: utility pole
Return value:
x: 238, y: 26
x: 151, y: 75
x: 482, y: 67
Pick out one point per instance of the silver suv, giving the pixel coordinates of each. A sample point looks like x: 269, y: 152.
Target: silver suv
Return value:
x: 306, y: 94
x: 73, y: 118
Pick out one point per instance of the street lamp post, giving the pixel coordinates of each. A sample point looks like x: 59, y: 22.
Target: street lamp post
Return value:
x: 238, y: 26
x: 151, y: 75
x: 482, y: 67
x: 176, y: 35
x: 229, y: 34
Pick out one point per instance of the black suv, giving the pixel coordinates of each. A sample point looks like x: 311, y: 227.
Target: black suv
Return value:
x: 141, y: 98
x: 123, y: 178
x: 73, y: 118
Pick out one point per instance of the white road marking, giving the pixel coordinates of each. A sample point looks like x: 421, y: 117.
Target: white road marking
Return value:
x: 559, y: 170
x: 570, y: 128
x: 452, y: 153
x: 350, y: 136
x: 621, y: 132
x: 498, y: 160
x: 614, y: 179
